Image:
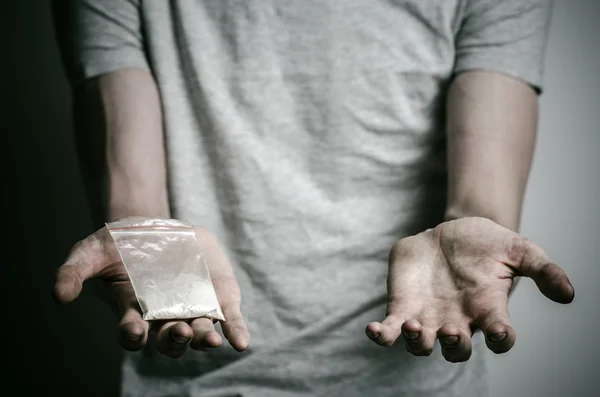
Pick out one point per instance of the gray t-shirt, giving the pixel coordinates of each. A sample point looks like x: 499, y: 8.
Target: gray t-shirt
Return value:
x: 308, y: 136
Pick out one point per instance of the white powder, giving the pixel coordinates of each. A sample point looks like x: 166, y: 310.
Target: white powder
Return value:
x: 167, y: 269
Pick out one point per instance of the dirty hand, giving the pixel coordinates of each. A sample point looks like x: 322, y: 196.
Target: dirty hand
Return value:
x: 446, y: 282
x: 96, y: 257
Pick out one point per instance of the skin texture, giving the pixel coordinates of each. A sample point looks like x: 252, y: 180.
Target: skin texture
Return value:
x: 443, y: 283
x: 120, y: 144
x: 448, y: 281
x: 118, y: 119
x: 95, y: 257
x: 491, y: 133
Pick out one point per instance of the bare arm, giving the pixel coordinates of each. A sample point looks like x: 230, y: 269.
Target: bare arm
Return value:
x: 121, y: 148
x: 120, y: 145
x: 491, y: 129
x: 119, y: 132
x: 117, y: 111
x: 451, y: 280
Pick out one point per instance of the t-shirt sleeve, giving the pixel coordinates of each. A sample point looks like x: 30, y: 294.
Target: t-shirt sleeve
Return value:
x: 99, y: 36
x: 505, y: 36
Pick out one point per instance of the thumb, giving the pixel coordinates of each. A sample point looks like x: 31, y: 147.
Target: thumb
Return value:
x: 550, y: 278
x: 87, y: 259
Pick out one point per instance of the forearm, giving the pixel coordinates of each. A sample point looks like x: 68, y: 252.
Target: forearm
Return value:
x: 491, y: 131
x: 120, y: 145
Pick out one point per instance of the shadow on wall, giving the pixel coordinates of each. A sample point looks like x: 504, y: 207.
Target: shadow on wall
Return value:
x: 70, y: 350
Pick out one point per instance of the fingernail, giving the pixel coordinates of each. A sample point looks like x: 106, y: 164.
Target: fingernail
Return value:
x: 411, y: 335
x: 372, y: 335
x: 449, y: 340
x: 134, y: 337
x: 498, y: 337
x: 180, y: 339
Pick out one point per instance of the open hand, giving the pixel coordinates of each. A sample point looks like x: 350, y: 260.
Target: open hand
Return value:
x: 448, y: 281
x: 97, y: 257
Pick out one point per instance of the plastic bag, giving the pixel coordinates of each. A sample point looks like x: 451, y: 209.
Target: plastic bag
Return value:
x: 167, y: 269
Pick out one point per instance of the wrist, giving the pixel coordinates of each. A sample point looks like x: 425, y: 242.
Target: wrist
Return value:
x: 503, y: 218
x: 146, y: 208
x: 135, y: 200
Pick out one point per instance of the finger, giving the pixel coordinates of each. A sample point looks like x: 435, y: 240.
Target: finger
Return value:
x: 386, y: 332
x: 401, y: 304
x: 455, y: 342
x: 205, y: 337
x: 529, y: 259
x: 227, y: 289
x: 234, y: 327
x: 173, y: 338
x: 399, y: 308
x: 133, y: 329
x: 418, y: 340
x: 500, y: 336
x: 86, y: 260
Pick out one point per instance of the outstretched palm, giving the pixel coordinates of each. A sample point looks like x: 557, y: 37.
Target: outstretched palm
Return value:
x: 96, y: 258
x: 448, y: 281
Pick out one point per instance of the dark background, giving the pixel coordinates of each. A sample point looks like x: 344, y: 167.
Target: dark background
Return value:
x: 71, y: 350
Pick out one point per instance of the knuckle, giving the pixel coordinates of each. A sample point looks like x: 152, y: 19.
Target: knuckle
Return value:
x: 523, y: 249
x: 76, y: 276
x: 199, y: 335
x: 399, y: 247
x: 517, y: 249
x: 232, y: 301
x: 535, y: 251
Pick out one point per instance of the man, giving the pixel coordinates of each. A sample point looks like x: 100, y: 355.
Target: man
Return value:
x: 308, y: 138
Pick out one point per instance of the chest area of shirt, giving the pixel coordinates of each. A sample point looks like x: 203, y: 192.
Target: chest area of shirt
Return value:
x: 313, y: 37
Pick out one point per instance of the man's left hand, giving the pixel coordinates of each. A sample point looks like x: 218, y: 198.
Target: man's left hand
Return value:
x: 446, y: 282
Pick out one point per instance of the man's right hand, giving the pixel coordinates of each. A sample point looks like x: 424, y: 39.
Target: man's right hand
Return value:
x: 96, y: 258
